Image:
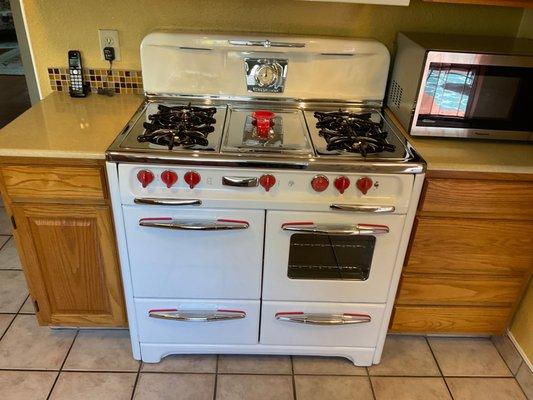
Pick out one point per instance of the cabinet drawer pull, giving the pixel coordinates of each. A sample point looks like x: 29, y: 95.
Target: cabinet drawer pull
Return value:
x: 323, y: 319
x: 197, y: 315
x: 167, y: 202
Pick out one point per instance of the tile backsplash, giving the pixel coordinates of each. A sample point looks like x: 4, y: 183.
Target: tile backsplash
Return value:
x: 119, y: 80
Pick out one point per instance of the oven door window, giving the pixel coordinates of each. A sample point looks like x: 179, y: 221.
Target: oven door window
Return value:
x: 478, y: 97
x: 330, y: 257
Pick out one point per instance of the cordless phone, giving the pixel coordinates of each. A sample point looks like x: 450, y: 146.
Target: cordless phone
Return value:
x: 77, y: 86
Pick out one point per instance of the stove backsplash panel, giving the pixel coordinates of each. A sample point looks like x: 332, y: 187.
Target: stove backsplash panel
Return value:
x: 120, y: 80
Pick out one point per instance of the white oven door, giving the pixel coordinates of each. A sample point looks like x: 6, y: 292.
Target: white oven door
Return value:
x: 329, y: 257
x: 195, y: 253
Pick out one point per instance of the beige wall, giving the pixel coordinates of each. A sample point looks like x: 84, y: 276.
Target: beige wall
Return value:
x: 522, y: 327
x: 56, y: 26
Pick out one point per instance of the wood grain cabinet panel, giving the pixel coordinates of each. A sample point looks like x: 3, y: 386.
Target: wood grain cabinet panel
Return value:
x: 505, y: 3
x: 55, y: 183
x: 478, y: 197
x: 453, y: 245
x: 447, y: 319
x: 70, y: 260
x: 459, y: 290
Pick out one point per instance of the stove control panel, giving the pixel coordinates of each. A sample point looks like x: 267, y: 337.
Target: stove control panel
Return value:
x: 257, y: 188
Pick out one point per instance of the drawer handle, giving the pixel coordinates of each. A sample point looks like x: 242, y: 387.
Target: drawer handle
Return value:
x: 323, y: 319
x: 362, y: 208
x: 218, y: 225
x: 326, y: 229
x: 197, y: 315
x: 240, y: 181
x: 167, y: 202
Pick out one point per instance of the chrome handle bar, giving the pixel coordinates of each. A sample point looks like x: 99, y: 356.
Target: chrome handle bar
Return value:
x: 359, y: 229
x: 240, y: 181
x: 197, y: 315
x: 323, y: 319
x: 218, y: 225
x: 168, y: 202
x: 362, y: 208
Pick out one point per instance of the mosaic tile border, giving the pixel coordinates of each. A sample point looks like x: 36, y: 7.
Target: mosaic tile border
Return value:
x: 119, y: 80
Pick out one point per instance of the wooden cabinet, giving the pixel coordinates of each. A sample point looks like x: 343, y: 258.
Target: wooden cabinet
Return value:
x: 64, y: 233
x: 470, y: 257
x: 505, y: 3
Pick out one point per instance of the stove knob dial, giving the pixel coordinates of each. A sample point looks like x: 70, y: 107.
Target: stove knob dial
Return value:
x: 342, y: 183
x: 169, y: 178
x: 145, y: 177
x: 364, y: 184
x: 192, y: 178
x: 267, y: 181
x: 320, y: 183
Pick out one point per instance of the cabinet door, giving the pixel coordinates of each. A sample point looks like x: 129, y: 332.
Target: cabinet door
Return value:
x: 69, y: 257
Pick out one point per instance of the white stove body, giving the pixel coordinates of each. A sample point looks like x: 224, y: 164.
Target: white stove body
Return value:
x: 218, y: 271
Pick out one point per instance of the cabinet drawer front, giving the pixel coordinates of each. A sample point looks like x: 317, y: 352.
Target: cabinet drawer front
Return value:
x: 281, y: 331
x: 460, y: 290
x: 478, y: 196
x: 54, y: 182
x: 243, y: 330
x: 471, y: 246
x: 455, y: 320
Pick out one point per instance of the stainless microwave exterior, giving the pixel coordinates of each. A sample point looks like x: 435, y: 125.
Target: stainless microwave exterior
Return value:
x: 410, y: 73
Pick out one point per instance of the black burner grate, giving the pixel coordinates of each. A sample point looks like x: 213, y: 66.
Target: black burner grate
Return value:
x: 183, y: 126
x: 354, y: 133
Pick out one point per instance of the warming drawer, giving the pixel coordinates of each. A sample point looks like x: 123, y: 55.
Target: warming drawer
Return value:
x: 197, y: 321
x: 320, y: 324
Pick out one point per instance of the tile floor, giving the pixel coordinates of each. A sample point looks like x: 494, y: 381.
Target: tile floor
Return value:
x: 57, y: 364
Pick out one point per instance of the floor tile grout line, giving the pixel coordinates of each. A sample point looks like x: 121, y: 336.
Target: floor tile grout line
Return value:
x: 293, y: 378
x: 136, y: 380
x: 503, y: 358
x: 6, y: 242
x: 216, y: 378
x: 438, y: 366
x: 62, y: 365
x: 14, y: 318
x: 371, y: 385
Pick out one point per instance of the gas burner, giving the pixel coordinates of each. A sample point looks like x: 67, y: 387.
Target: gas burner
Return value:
x: 185, y: 126
x: 350, y: 132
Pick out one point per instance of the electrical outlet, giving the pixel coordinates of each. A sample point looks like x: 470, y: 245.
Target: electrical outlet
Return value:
x: 109, y: 38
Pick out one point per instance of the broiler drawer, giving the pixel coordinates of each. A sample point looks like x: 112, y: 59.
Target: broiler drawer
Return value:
x: 187, y: 321
x: 326, y: 324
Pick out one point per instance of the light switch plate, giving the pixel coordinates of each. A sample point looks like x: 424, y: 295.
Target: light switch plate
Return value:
x: 109, y: 38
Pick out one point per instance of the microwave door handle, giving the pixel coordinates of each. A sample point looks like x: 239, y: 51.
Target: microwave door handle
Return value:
x: 197, y: 315
x: 218, y: 225
x: 359, y: 229
x: 167, y: 202
x: 363, y: 208
x: 323, y: 319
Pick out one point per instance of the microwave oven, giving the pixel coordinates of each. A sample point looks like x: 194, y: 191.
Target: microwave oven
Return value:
x: 463, y: 86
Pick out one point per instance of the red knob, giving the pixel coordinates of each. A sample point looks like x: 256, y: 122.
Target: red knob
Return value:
x: 320, y: 183
x: 169, y: 178
x: 267, y: 181
x: 192, y: 178
x: 145, y: 177
x: 364, y: 184
x: 342, y: 183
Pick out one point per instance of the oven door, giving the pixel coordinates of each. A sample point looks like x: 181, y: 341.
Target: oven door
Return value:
x: 195, y: 253
x: 330, y: 256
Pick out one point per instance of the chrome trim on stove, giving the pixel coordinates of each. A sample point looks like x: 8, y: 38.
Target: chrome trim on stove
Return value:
x: 324, y: 319
x: 167, y: 202
x: 323, y: 229
x: 197, y: 315
x: 362, y: 208
x: 265, y: 43
x: 219, y: 225
x: 240, y: 181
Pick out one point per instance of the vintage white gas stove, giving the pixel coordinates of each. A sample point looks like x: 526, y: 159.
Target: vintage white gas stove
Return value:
x: 262, y: 203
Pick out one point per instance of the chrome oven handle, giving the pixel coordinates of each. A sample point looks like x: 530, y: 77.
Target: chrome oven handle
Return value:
x: 240, y: 181
x: 323, y: 319
x: 265, y: 43
x: 197, y: 315
x: 362, y: 208
x: 359, y: 229
x: 218, y: 225
x: 167, y: 202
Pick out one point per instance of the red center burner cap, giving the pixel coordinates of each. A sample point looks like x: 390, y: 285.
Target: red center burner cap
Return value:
x: 263, y: 121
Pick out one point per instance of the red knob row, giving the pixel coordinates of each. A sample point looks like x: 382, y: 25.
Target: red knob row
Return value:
x: 169, y: 178
x: 341, y: 183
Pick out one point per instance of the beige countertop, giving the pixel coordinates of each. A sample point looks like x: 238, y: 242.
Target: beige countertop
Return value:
x: 65, y: 127
x: 470, y: 155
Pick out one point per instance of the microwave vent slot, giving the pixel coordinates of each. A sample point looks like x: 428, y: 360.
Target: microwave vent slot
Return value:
x: 395, y: 95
